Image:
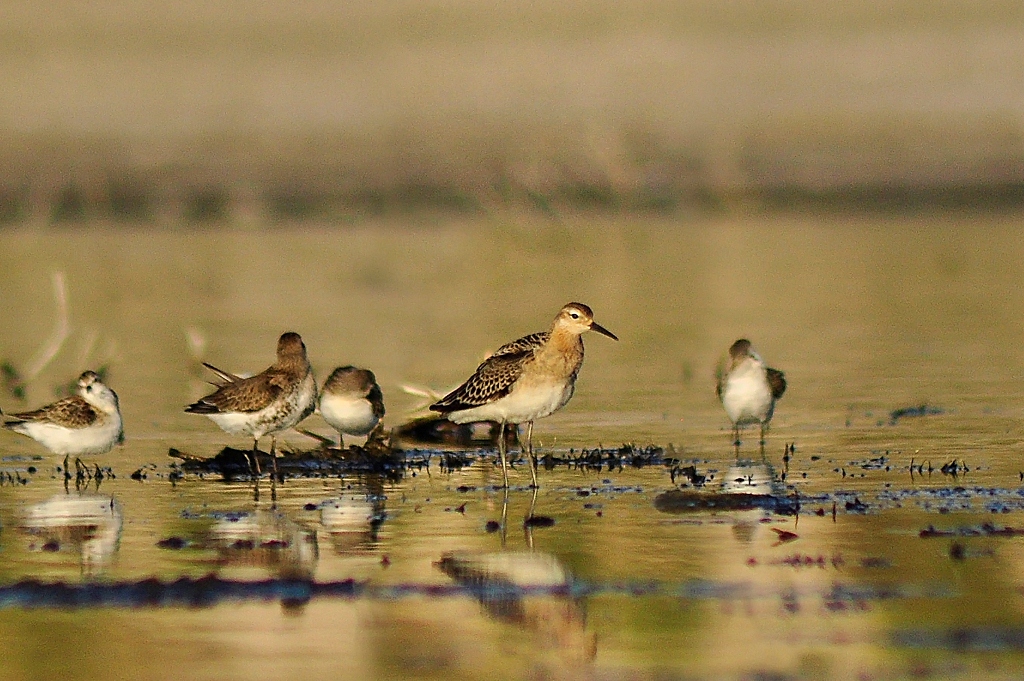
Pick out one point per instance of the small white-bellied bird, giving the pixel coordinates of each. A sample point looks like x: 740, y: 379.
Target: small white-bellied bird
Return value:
x: 748, y: 389
x: 351, y: 402
x: 525, y: 380
x: 86, y: 423
x: 264, y: 404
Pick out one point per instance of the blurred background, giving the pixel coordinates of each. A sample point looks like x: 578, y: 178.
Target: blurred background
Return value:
x: 411, y: 183
x: 278, y: 111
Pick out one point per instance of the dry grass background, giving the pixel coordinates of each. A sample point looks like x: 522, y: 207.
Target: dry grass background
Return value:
x: 280, y: 110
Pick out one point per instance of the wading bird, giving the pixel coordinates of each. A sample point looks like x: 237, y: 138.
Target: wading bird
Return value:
x: 525, y: 380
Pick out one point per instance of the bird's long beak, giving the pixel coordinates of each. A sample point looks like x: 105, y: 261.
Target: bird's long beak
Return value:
x: 594, y: 326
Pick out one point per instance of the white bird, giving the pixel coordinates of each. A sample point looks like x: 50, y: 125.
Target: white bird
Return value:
x: 89, y: 524
x: 748, y: 389
x: 86, y: 423
x: 351, y: 402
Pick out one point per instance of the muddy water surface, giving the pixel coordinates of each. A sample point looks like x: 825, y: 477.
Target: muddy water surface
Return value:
x: 892, y: 568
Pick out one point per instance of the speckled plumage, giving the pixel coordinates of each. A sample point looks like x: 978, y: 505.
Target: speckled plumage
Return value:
x: 271, y: 401
x: 527, y: 379
x: 491, y: 381
x: 70, y: 412
x: 86, y: 423
x: 528, y: 343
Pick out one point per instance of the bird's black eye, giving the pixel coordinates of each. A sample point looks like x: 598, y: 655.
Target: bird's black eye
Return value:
x: 574, y: 315
x: 88, y: 388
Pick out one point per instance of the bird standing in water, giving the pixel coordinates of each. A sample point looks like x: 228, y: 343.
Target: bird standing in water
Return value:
x: 748, y: 389
x: 351, y: 402
x: 525, y: 380
x: 86, y: 423
x: 267, y: 403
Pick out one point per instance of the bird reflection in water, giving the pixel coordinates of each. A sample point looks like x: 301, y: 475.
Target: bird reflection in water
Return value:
x: 527, y: 589
x: 752, y: 477
x: 352, y: 521
x: 266, y: 542
x: 749, y: 491
x: 756, y: 478
x: 88, y: 525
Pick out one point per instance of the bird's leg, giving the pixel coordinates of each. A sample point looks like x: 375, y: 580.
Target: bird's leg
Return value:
x: 273, y: 476
x: 341, y: 440
x: 764, y: 429
x: 504, y: 514
x: 528, y: 526
x: 255, y: 461
x: 501, y: 453
x: 79, y: 475
x: 533, y: 459
x: 736, y: 439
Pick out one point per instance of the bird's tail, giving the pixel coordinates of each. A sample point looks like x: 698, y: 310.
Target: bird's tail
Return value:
x: 202, y: 408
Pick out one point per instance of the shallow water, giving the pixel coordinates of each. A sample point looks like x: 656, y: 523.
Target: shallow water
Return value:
x: 865, y: 315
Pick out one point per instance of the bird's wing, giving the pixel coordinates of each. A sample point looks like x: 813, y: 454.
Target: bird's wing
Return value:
x: 71, y: 412
x: 777, y: 382
x: 242, y: 395
x: 376, y: 398
x: 493, y: 380
x: 525, y: 344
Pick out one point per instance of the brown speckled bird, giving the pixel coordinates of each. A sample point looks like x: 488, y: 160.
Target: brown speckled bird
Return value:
x: 525, y: 380
x: 267, y: 403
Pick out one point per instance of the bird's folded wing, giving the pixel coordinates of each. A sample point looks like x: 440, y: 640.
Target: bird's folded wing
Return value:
x: 71, y: 412
x: 524, y: 344
x: 492, y: 381
x: 244, y: 395
x: 777, y: 382
x: 376, y: 398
